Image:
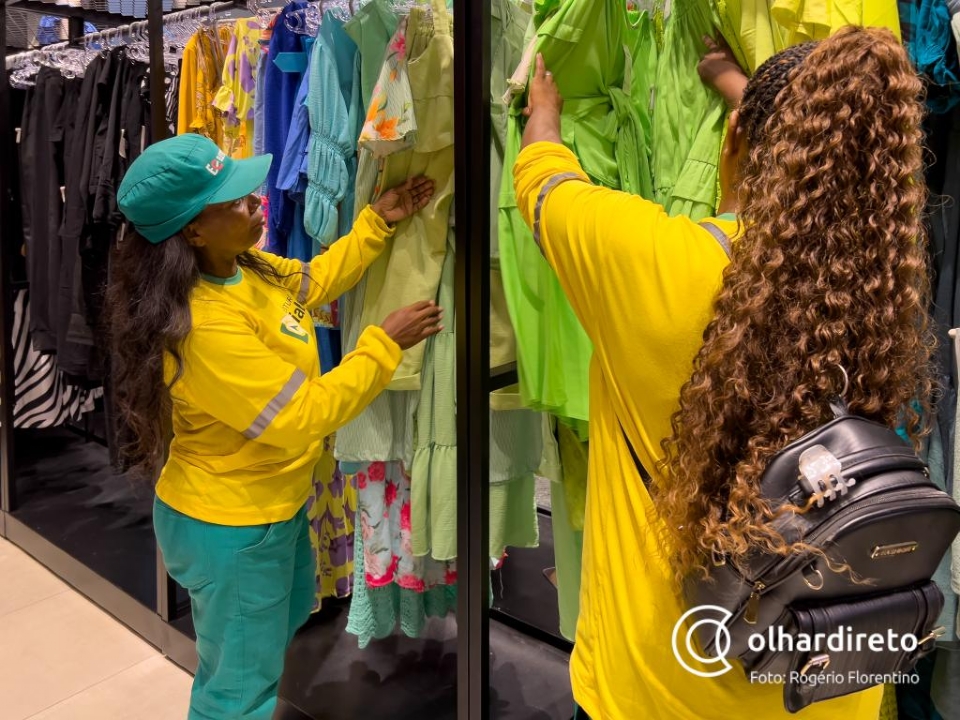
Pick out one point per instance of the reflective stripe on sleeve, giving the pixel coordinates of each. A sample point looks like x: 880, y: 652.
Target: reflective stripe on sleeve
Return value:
x: 542, y: 196
x: 719, y: 235
x: 273, y: 408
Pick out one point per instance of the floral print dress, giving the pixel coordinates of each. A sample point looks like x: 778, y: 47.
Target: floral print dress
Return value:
x: 392, y: 585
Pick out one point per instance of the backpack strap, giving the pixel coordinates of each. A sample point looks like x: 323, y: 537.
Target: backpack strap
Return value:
x: 644, y: 475
x: 724, y: 241
x: 719, y: 235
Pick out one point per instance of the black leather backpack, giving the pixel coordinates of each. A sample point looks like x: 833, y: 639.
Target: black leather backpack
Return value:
x: 879, y: 515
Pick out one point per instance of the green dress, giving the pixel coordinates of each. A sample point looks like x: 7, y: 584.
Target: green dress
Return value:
x: 601, y: 56
x: 688, y: 119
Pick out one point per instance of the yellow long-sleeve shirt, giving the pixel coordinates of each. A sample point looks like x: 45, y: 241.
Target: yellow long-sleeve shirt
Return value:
x: 643, y: 286
x: 251, y: 408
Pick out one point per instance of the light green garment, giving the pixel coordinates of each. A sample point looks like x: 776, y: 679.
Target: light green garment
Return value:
x: 508, y: 23
x: 409, y: 269
x: 595, y: 49
x: 371, y: 28
x: 688, y: 118
x: 567, y: 542
x: 418, y: 427
x: 515, y: 450
x: 574, y: 453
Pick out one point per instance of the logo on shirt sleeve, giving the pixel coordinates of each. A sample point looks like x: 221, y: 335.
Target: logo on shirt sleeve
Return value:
x: 289, y: 326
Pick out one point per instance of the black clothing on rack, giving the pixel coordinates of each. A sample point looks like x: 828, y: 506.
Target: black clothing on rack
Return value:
x: 47, y: 109
x: 78, y: 138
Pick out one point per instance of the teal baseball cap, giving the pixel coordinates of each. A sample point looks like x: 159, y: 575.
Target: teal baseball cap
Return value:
x: 175, y: 179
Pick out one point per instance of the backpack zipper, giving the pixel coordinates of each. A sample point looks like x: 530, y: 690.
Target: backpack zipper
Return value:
x: 751, y: 613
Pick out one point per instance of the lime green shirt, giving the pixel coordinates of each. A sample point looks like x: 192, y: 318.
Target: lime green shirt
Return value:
x: 602, y: 58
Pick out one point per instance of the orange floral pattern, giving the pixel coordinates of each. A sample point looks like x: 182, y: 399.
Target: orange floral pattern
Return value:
x: 390, y: 124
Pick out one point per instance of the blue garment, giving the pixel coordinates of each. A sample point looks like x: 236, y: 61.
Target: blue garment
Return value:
x: 279, y: 97
x: 292, y: 178
x: 48, y: 29
x: 328, y: 341
x: 259, y: 106
x: 928, y: 37
x: 334, y: 107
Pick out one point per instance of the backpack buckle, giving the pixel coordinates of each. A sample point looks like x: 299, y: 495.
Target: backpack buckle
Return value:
x: 821, y: 661
x: 821, y: 474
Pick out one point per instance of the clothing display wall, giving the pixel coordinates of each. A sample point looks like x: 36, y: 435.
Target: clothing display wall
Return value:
x: 349, y: 109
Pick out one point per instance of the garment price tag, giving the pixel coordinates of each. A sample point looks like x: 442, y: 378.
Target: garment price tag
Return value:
x: 123, y: 144
x: 18, y: 136
x: 63, y: 193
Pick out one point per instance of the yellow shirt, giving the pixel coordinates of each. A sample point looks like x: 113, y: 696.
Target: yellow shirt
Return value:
x: 758, y: 29
x: 251, y: 409
x: 643, y: 286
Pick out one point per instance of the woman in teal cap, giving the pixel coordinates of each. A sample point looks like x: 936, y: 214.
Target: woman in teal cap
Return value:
x: 215, y: 337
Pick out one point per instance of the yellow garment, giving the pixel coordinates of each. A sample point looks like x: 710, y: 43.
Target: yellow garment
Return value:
x: 188, y: 85
x: 251, y: 410
x: 643, y: 285
x: 332, y: 512
x: 758, y: 29
x: 749, y: 31
x: 201, y: 71
x: 804, y: 20
x: 235, y: 98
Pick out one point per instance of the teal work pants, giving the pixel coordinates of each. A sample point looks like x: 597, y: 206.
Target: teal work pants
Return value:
x: 251, y: 588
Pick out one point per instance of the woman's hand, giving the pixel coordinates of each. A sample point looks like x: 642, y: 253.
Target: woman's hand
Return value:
x: 413, y: 324
x: 404, y: 200
x: 719, y: 69
x: 544, y: 105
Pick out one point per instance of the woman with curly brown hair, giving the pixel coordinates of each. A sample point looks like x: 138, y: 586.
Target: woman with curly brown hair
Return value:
x: 707, y: 368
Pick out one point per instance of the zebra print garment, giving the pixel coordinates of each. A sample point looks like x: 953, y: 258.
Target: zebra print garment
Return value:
x: 44, y: 396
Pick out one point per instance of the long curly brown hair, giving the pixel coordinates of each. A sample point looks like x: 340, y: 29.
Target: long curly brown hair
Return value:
x: 831, y: 271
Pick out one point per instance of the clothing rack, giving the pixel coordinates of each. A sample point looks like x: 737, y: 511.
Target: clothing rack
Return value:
x: 138, y: 30
x: 308, y: 19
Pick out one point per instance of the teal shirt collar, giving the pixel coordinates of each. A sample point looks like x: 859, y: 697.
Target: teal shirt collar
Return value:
x: 232, y: 280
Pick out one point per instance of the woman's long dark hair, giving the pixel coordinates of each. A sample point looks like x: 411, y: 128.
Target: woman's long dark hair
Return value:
x: 148, y: 312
